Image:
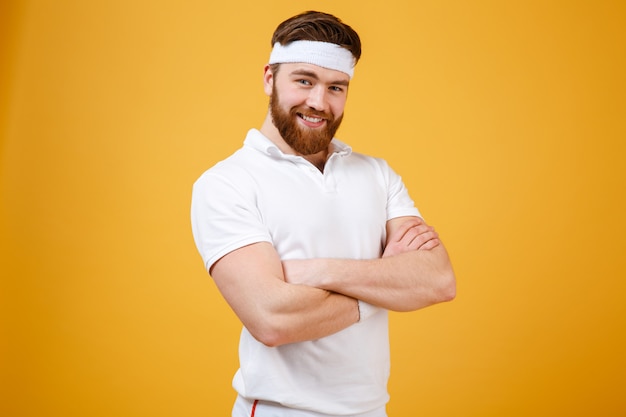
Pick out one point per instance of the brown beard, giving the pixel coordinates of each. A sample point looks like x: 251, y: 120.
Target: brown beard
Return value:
x: 302, y: 140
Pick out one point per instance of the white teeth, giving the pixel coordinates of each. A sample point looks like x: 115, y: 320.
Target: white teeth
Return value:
x: 311, y: 119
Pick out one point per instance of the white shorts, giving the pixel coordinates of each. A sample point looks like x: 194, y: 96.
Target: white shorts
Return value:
x: 247, y: 408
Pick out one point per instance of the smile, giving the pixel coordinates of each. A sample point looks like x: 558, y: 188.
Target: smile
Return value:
x: 310, y: 119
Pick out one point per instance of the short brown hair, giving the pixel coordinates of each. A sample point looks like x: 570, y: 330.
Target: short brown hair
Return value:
x: 321, y: 27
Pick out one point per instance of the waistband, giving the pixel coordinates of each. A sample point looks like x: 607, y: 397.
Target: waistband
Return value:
x: 259, y: 408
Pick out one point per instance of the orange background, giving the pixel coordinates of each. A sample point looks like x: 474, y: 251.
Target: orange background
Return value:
x: 506, y: 120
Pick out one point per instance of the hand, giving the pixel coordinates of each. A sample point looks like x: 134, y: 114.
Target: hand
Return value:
x: 413, y: 234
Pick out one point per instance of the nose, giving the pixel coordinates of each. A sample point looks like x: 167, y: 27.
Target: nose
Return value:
x: 317, y: 99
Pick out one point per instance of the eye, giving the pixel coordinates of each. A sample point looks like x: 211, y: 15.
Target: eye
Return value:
x: 303, y: 82
x: 336, y: 89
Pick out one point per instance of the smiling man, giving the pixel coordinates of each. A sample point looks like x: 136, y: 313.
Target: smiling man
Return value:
x: 311, y: 243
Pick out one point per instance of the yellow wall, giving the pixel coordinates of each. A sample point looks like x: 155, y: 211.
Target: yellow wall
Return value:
x: 506, y: 120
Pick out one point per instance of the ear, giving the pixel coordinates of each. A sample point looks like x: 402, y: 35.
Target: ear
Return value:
x: 268, y: 80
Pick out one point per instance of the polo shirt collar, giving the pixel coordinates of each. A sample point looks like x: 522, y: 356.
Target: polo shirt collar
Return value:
x: 256, y: 140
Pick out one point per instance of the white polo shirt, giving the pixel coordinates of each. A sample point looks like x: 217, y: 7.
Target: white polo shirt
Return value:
x: 260, y: 194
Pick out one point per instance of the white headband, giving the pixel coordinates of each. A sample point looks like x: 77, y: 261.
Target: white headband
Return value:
x: 323, y: 54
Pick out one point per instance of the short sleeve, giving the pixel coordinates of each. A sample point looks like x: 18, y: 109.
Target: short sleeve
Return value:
x: 224, y: 217
x: 399, y: 203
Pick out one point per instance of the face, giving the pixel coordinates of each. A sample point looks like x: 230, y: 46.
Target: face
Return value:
x: 306, y: 105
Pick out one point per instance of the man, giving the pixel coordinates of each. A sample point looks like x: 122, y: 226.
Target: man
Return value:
x: 310, y: 243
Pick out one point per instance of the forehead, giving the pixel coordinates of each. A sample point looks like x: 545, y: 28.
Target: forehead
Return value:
x: 326, y: 75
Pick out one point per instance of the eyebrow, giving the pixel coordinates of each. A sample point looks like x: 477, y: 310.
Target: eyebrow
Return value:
x: 313, y: 75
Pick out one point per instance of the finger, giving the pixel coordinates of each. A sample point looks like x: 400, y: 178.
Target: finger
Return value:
x: 431, y: 244
x: 400, y: 233
x: 416, y: 232
x: 422, y: 238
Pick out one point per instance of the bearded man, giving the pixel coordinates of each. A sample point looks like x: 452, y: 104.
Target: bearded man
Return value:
x: 311, y: 243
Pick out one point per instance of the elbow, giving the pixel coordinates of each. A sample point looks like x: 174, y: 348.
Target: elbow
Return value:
x: 441, y: 289
x: 447, y: 290
x: 270, y: 335
x: 270, y: 340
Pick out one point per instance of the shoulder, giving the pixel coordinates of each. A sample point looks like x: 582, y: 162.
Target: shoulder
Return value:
x: 376, y: 165
x: 249, y: 157
x: 237, y: 169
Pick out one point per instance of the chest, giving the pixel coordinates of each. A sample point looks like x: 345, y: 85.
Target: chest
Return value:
x: 340, y: 213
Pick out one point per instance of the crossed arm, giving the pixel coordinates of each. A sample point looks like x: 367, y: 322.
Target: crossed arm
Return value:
x: 292, y: 301
x: 414, y: 271
x: 275, y: 312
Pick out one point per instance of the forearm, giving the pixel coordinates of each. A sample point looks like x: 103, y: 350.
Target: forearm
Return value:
x: 276, y: 312
x: 404, y: 282
x: 298, y: 313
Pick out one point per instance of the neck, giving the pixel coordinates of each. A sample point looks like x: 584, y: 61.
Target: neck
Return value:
x: 269, y: 131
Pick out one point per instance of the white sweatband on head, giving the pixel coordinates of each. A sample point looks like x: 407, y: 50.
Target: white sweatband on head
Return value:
x: 323, y: 54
